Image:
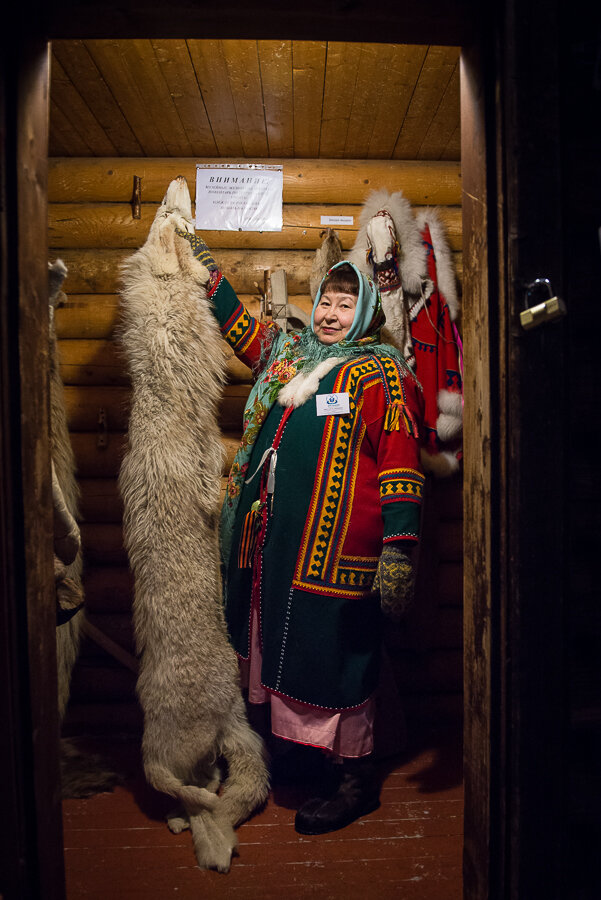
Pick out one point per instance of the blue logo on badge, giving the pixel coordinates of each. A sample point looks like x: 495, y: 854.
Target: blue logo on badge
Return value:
x: 332, y: 400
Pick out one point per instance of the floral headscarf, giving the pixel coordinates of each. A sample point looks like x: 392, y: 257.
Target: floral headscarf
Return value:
x: 368, y: 311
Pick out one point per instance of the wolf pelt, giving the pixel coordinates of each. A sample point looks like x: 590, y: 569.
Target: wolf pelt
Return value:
x: 188, y: 682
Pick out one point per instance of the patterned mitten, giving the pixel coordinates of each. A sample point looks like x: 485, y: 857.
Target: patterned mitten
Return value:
x: 204, y: 256
x: 394, y: 581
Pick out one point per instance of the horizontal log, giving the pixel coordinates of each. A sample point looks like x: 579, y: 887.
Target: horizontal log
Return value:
x: 108, y: 589
x: 102, y: 362
x: 118, y: 627
x: 304, y: 180
x: 83, y: 404
x: 92, y: 362
x: 429, y: 670
x: 111, y: 225
x: 98, y: 271
x: 102, y: 545
x: 92, y: 461
x: 96, y: 316
x: 100, y: 500
x: 450, y: 583
x: 447, y: 497
x: 442, y: 631
x: 449, y: 538
x: 94, y: 681
x: 87, y: 316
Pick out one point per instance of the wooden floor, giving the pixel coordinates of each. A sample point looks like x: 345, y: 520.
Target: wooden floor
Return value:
x: 117, y: 845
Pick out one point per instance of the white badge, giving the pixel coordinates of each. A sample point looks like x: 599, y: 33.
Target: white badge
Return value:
x: 332, y: 404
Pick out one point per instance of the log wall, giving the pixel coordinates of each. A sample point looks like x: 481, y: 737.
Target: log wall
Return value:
x: 91, y: 227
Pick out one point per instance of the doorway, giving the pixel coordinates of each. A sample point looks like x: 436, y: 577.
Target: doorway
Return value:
x: 477, y: 228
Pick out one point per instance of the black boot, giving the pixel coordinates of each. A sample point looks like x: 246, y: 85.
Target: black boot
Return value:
x: 357, y: 794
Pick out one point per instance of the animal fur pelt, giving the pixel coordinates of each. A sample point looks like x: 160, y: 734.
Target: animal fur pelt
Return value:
x: 327, y: 255
x: 82, y: 774
x: 67, y: 556
x: 188, y: 682
x: 411, y: 252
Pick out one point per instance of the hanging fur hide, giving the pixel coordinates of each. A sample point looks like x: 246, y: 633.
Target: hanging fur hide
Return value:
x: 188, y: 682
x: 67, y: 550
x: 82, y: 773
x: 420, y: 310
x: 327, y: 255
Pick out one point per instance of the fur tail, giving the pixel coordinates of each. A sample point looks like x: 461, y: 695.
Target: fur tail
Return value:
x: 194, y: 799
x: 247, y: 784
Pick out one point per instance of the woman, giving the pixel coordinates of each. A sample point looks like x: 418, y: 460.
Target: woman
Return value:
x: 321, y: 513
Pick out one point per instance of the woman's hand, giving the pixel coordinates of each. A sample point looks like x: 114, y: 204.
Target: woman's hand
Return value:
x: 394, y: 581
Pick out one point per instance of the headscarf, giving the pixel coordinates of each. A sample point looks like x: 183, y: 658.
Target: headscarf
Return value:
x: 288, y: 355
x: 368, y: 311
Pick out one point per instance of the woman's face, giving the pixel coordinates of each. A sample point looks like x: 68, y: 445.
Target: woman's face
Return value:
x: 334, y: 316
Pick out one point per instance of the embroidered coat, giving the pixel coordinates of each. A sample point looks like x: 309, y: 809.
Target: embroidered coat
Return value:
x: 344, y: 485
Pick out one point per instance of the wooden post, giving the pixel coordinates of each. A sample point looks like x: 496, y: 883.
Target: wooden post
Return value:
x: 31, y: 839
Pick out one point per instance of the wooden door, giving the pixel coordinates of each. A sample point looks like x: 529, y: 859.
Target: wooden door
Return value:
x: 514, y: 458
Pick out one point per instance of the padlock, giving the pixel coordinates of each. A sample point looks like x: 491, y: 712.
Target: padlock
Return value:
x: 548, y: 311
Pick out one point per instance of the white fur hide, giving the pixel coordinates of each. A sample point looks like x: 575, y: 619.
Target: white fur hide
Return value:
x: 300, y: 388
x: 327, y: 255
x: 412, y: 257
x: 63, y: 469
x: 188, y: 681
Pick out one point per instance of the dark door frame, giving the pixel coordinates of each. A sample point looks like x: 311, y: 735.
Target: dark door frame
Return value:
x: 513, y: 582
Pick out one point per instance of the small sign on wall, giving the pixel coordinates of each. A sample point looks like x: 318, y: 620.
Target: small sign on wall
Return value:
x: 337, y: 220
x: 239, y: 197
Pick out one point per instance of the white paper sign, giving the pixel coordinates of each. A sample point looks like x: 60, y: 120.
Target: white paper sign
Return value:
x: 239, y: 197
x: 332, y: 404
x: 337, y: 220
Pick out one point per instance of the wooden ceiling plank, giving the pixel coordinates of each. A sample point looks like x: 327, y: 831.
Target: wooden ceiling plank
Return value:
x: 157, y: 97
x: 435, y: 75
x: 342, y: 64
x: 242, y: 61
x: 453, y: 149
x: 113, y: 59
x: 63, y: 138
x: 213, y: 79
x: 78, y: 113
x: 174, y: 60
x: 444, y: 121
x: 374, y: 61
x: 398, y: 85
x: 84, y: 73
x: 308, y: 73
x: 275, y: 60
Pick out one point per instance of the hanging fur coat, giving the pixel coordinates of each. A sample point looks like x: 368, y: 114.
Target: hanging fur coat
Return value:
x: 424, y: 295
